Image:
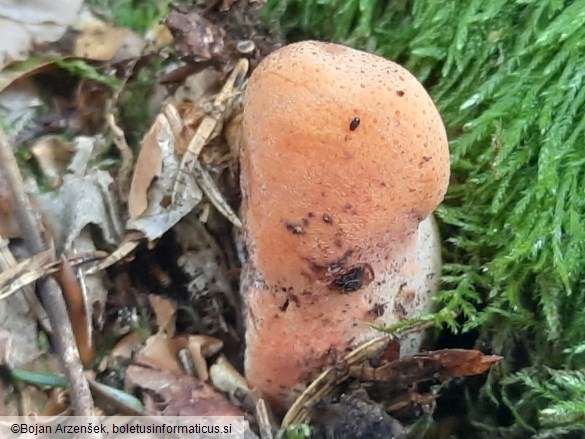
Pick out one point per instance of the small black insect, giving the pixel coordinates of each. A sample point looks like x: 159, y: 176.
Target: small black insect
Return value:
x: 350, y: 280
x: 354, y: 123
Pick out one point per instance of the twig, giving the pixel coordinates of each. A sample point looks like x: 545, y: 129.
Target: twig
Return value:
x: 8, y: 262
x: 205, y: 132
x: 49, y: 290
x: 125, y: 172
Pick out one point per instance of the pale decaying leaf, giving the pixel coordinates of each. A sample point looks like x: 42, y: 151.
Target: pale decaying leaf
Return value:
x: 86, y: 148
x: 165, y: 310
x: 18, y: 325
x: 19, y: 103
x: 24, y: 23
x: 79, y: 202
x: 154, y: 175
x: 16, y: 41
x: 179, y: 395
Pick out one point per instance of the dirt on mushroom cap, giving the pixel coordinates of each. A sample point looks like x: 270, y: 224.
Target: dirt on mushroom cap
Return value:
x: 330, y: 202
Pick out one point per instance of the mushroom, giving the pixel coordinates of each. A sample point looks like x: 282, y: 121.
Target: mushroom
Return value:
x: 344, y: 158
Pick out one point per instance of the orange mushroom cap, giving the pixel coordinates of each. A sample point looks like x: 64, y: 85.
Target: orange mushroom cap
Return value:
x: 344, y: 154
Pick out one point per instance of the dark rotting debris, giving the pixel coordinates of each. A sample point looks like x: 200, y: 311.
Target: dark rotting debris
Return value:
x: 295, y: 228
x: 354, y: 278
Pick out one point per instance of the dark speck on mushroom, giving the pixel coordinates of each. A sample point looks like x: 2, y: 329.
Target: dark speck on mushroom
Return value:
x: 295, y: 228
x: 377, y: 310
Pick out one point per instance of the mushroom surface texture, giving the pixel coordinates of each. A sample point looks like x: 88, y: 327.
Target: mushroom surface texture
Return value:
x: 344, y: 158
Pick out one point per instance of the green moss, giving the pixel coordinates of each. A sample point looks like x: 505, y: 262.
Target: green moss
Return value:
x: 85, y: 70
x: 507, y: 77
x: 301, y: 431
x: 138, y: 15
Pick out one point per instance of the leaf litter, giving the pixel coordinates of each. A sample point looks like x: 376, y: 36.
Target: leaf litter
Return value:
x: 139, y: 227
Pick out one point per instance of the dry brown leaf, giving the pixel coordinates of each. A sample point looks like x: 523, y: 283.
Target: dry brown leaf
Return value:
x: 53, y: 155
x: 57, y: 404
x: 432, y: 365
x: 25, y: 70
x: 158, y: 36
x: 165, y: 310
x: 160, y: 353
x: 200, y: 347
x: 463, y: 362
x: 150, y: 207
x: 226, y: 378
x: 127, y: 345
x: 148, y: 166
x: 101, y: 41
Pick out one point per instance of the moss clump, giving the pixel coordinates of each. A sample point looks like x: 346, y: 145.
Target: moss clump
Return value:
x: 138, y: 15
x: 508, y: 79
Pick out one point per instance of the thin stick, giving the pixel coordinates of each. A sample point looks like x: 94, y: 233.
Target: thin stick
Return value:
x: 49, y: 290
